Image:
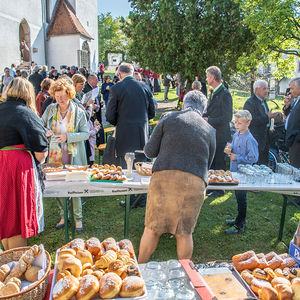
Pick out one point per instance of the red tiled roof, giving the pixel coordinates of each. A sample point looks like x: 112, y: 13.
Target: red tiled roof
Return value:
x: 64, y: 21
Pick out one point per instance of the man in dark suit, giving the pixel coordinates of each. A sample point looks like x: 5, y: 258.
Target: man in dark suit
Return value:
x: 292, y: 136
x: 36, y: 79
x: 218, y: 115
x: 130, y: 106
x: 261, y: 115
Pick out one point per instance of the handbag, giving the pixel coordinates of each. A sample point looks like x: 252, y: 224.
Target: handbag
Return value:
x: 109, y: 156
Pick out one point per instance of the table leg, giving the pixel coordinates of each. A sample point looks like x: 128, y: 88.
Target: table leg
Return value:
x: 66, y: 220
x: 282, y: 217
x: 127, y: 209
x: 72, y: 220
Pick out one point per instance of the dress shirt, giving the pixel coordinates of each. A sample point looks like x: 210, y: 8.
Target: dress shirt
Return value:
x: 245, y: 146
x: 215, y: 89
x: 264, y: 104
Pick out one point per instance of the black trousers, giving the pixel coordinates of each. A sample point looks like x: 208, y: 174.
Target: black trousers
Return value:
x: 219, y: 162
x: 263, y: 158
x: 241, y: 198
x: 294, y: 152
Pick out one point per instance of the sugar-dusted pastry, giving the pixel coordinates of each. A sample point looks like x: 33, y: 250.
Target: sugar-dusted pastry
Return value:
x: 110, y: 244
x: 88, y: 288
x: 65, y: 288
x: 110, y: 286
x: 93, y: 245
x: 127, y: 245
x: 84, y: 256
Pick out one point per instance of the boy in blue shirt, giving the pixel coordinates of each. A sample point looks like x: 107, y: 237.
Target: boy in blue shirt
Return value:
x: 244, y: 150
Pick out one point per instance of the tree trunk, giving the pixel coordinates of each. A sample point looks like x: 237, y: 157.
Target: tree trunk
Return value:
x: 252, y: 82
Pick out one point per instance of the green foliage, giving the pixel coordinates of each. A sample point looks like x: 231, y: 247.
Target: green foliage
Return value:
x: 111, y: 37
x: 186, y: 36
x: 276, y: 25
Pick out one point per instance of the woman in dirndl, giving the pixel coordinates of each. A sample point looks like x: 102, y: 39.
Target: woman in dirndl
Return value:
x: 184, y: 146
x: 23, y: 147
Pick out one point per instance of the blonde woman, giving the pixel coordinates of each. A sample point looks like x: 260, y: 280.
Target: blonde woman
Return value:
x: 23, y: 147
x: 67, y: 126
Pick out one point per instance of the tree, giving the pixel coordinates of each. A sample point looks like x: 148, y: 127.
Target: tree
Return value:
x: 110, y: 35
x: 187, y: 36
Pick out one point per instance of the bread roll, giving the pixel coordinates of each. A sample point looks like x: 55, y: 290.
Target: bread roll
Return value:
x: 84, y: 256
x: 65, y: 288
x: 4, y: 271
x: 296, y: 288
x: 93, y: 245
x: 9, y: 289
x: 267, y: 293
x: 73, y: 265
x: 62, y: 274
x: 87, y: 272
x: 284, y: 292
x: 132, y: 286
x: 127, y: 245
x: 77, y: 244
x: 98, y: 274
x: 88, y: 288
x: 247, y: 276
x: 1, y: 285
x: 106, y: 259
x: 110, y: 286
x: 32, y: 274
x: 17, y: 281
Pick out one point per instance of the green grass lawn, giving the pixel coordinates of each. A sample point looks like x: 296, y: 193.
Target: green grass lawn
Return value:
x: 104, y: 217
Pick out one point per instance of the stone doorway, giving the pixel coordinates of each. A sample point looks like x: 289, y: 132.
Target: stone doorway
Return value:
x: 24, y: 35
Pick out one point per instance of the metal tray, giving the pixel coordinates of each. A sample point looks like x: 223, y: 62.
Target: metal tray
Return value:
x: 235, y: 273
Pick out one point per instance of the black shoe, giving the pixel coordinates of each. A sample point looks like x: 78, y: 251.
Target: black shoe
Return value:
x: 230, y: 222
x: 123, y: 203
x: 216, y: 194
x: 293, y: 202
x: 83, y: 202
x: 235, y: 230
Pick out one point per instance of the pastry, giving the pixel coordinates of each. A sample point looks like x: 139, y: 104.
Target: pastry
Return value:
x: 267, y: 293
x: 87, y: 272
x: 119, y: 168
x: 112, y: 167
x: 77, y: 244
x: 247, y: 260
x: 65, y: 288
x: 257, y: 284
x: 106, y: 259
x: 132, y: 270
x: 260, y: 274
x: 99, y: 274
x: 271, y: 274
x: 84, y: 256
x: 106, y: 166
x: 73, y: 265
x: 110, y: 286
x: 88, y: 288
x: 296, y: 288
x: 67, y: 251
x: 262, y: 261
x: 294, y: 272
x: 62, y: 274
x: 93, y: 245
x: 117, y: 267
x: 121, y: 178
x: 110, y: 244
x: 132, y: 286
x: 123, y: 255
x: 131, y: 262
x: 32, y: 274
x: 247, y: 276
x: 280, y: 273
x: 287, y: 261
x: 284, y: 292
x: 1, y: 285
x: 4, y: 271
x: 61, y: 259
x: 127, y: 245
x: 273, y: 260
x: 280, y: 280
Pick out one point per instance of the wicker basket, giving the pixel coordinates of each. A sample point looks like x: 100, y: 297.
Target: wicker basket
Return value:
x: 38, y: 290
x: 71, y: 168
x: 143, y: 171
x: 55, y: 167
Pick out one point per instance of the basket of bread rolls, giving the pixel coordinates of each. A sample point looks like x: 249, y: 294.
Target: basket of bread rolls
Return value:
x: 23, y: 270
x: 97, y: 270
x: 270, y: 276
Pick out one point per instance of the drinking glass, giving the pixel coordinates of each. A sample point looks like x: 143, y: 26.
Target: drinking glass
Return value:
x: 176, y: 273
x: 129, y: 158
x: 173, y: 264
x: 164, y: 292
x: 227, y: 149
x: 185, y: 293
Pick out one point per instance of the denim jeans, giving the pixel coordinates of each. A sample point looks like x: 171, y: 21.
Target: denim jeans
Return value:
x: 241, y: 198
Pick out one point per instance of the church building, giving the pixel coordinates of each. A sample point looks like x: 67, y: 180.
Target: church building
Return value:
x: 56, y: 32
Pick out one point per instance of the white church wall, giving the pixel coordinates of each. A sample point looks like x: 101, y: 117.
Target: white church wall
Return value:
x: 62, y: 50
x: 86, y: 12
x: 10, y: 19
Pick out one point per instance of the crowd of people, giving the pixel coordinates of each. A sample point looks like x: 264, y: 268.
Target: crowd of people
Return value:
x: 63, y: 123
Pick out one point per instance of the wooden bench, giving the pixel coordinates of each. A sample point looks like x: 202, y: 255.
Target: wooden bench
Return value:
x: 152, y: 124
x: 109, y: 131
x: 101, y: 149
